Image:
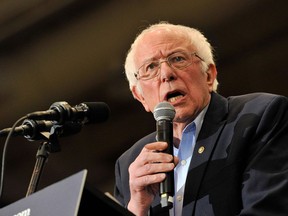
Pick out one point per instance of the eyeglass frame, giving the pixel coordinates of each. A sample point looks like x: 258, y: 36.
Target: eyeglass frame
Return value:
x: 160, y: 61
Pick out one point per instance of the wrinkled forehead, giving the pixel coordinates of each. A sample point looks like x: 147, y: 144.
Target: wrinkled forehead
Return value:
x: 159, y: 42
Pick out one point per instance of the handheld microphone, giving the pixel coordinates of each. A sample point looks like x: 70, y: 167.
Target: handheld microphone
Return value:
x: 61, y: 112
x: 164, y: 114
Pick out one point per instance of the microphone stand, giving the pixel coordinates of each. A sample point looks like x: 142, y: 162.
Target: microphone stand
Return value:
x: 50, y: 145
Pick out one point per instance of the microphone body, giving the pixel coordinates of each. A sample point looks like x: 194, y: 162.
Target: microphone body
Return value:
x: 29, y: 129
x: 164, y: 114
x: 61, y: 112
x: 61, y: 115
x: 35, y: 129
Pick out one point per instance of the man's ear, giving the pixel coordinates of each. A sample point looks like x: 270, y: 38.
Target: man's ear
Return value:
x: 138, y: 95
x: 211, y: 76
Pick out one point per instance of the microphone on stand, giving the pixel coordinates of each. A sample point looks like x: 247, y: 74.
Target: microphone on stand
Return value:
x: 84, y: 113
x: 164, y: 114
x: 33, y: 129
x: 29, y: 128
x: 61, y: 115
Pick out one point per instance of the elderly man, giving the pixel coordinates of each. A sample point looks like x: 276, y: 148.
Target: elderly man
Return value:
x: 230, y: 154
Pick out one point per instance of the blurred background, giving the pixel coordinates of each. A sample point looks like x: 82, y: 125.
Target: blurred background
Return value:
x: 74, y: 51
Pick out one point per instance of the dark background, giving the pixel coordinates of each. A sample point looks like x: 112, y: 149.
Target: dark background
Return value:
x: 74, y: 51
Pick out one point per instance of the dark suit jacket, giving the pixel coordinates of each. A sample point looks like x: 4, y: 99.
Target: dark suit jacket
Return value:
x: 244, y: 167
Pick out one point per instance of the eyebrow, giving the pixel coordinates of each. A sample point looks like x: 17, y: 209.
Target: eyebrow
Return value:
x: 170, y: 53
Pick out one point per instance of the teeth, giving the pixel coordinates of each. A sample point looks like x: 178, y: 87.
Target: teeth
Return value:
x: 174, y: 98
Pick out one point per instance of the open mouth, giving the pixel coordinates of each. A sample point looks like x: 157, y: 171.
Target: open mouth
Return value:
x: 174, y: 96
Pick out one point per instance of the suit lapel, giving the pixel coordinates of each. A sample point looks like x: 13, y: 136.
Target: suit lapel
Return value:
x: 213, y: 124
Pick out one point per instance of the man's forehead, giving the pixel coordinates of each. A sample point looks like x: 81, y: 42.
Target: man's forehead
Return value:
x: 157, y: 45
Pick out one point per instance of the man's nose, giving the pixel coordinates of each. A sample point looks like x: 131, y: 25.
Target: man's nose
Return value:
x: 167, y: 73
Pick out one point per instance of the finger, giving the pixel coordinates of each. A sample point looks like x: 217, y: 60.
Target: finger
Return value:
x: 152, y: 157
x: 147, y: 180
x: 153, y: 168
x: 156, y: 146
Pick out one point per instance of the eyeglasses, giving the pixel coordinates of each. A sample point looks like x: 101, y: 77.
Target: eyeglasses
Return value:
x: 178, y: 60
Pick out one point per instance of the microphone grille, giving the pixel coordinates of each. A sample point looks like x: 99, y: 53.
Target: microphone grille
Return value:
x: 98, y: 112
x: 164, y: 110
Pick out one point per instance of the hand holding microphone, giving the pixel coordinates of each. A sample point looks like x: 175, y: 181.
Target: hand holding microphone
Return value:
x: 164, y: 114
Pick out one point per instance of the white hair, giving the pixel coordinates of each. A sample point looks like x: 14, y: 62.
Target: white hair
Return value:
x: 197, y: 39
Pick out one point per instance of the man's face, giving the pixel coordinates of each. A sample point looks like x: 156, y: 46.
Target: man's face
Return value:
x: 188, y: 89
